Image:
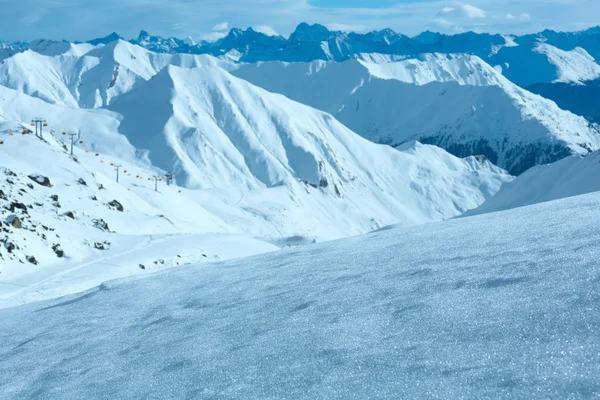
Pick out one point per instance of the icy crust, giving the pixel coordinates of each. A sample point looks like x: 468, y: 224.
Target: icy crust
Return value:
x: 495, y: 306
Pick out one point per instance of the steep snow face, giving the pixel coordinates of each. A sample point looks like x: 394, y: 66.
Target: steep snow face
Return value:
x: 497, y: 306
x: 457, y: 102
x: 571, y: 176
x: 575, y: 66
x: 215, y: 130
x: 91, y: 80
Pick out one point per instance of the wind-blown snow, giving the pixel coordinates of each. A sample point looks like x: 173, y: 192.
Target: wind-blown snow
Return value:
x: 498, y: 306
x: 568, y: 177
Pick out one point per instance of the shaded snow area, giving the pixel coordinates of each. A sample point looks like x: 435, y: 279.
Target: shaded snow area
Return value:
x: 568, y: 177
x: 502, y: 305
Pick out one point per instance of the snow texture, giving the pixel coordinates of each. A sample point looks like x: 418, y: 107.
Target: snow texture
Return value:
x: 502, y: 305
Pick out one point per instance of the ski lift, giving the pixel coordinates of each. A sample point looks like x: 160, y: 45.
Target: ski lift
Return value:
x: 45, y: 123
x: 1, y: 141
x: 64, y: 133
x: 32, y: 124
x: 81, y: 142
x: 97, y: 154
x: 24, y: 132
x: 10, y: 133
x: 111, y: 164
x: 124, y: 171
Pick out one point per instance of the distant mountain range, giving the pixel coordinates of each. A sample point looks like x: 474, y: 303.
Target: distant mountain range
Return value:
x: 559, y: 65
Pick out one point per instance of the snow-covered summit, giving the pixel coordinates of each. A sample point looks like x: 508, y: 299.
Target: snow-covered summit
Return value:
x: 458, y: 102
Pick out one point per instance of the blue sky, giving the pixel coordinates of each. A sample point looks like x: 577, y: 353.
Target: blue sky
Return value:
x: 210, y: 19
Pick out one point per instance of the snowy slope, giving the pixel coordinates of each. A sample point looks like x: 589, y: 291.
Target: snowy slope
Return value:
x: 92, y: 79
x: 78, y: 236
x: 214, y: 130
x: 496, y: 306
x: 457, y: 102
x: 575, y: 66
x: 571, y: 176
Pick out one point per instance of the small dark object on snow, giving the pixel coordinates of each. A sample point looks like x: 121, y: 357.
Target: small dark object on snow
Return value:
x: 82, y: 182
x: 40, y: 180
x: 99, y: 246
x: 100, y: 187
x: 142, y: 266
x: 70, y: 214
x: 100, y: 224
x: 94, y: 198
x: 54, y: 197
x: 58, y: 251
x: 18, y: 206
x: 2, y: 195
x: 116, y: 205
x: 14, y: 221
x: 32, y: 260
x: 9, y: 246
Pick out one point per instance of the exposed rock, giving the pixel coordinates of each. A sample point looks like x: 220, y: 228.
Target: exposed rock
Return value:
x: 100, y: 187
x: 54, y: 197
x: 70, y: 214
x: 2, y: 195
x: 30, y: 186
x: 99, y: 246
x: 94, y: 198
x: 18, y: 206
x: 32, y: 260
x: 116, y: 205
x: 100, y: 224
x: 40, y: 180
x: 142, y: 266
x: 14, y: 221
x: 58, y: 250
x: 82, y: 182
x: 9, y: 246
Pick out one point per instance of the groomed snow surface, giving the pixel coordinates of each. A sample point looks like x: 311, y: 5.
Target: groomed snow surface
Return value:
x: 503, y: 305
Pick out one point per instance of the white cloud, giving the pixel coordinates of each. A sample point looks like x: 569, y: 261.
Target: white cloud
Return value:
x: 213, y: 36
x: 347, y: 27
x: 463, y: 11
x: 221, y: 27
x: 265, y: 29
x: 509, y: 16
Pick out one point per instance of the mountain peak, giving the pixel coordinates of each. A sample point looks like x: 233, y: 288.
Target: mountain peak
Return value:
x: 106, y: 39
x: 310, y: 33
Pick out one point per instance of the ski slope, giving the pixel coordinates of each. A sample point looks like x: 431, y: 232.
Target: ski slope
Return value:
x: 457, y: 102
x: 494, y: 306
x: 568, y: 177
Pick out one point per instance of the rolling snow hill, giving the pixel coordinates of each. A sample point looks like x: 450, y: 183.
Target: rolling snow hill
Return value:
x: 495, y: 306
x: 568, y: 177
x: 457, y: 102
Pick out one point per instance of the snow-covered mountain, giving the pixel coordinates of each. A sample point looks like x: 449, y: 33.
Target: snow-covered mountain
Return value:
x: 456, y: 102
x: 497, y: 306
x: 261, y: 166
x: 568, y: 177
x: 92, y: 79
